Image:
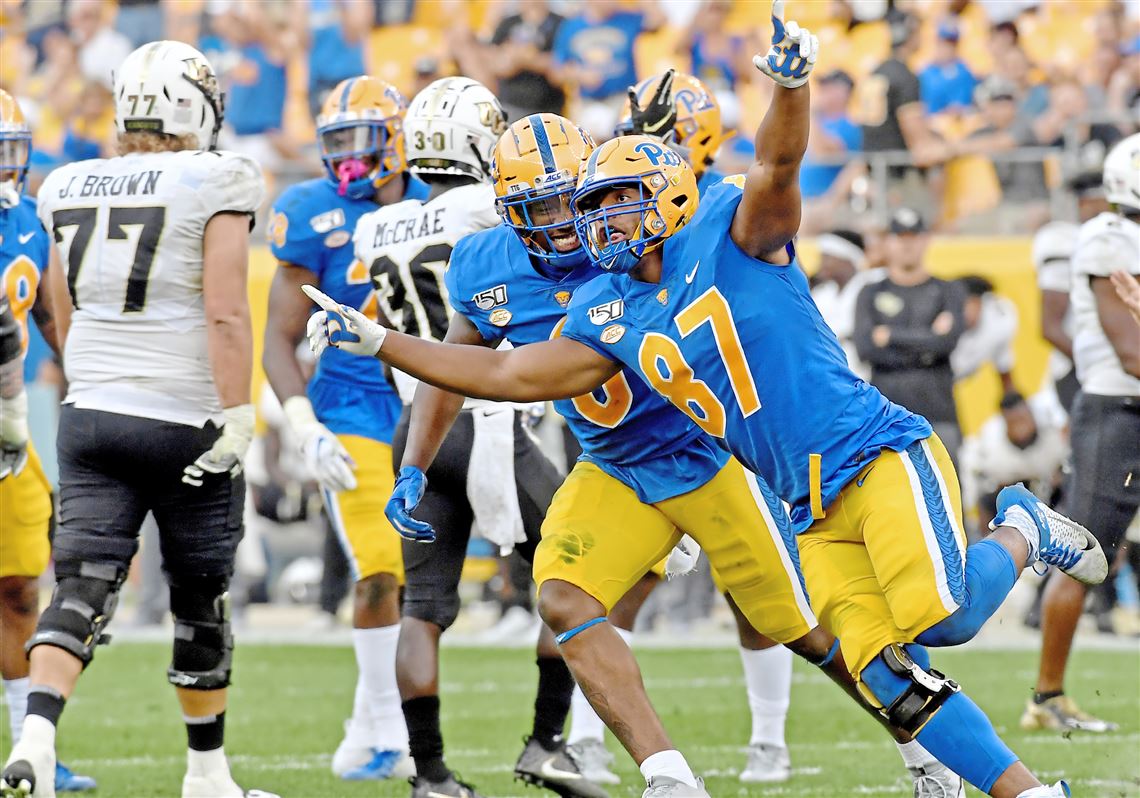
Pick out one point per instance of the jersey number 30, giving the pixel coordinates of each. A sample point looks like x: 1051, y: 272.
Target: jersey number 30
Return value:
x: 150, y: 219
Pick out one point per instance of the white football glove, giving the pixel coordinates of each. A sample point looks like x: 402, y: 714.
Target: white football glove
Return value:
x: 326, y: 458
x: 341, y: 327
x: 13, y: 434
x: 792, y: 55
x: 683, y: 559
x: 228, y: 452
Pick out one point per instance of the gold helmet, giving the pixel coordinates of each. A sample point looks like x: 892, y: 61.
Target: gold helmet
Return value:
x: 360, y: 131
x: 666, y: 199
x: 534, y: 167
x: 698, y: 125
x: 15, y: 142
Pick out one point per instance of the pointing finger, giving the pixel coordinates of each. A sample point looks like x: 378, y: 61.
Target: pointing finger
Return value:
x: 778, y: 10
x: 326, y: 302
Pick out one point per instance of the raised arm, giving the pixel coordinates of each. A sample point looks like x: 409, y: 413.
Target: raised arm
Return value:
x: 557, y: 369
x: 769, y: 213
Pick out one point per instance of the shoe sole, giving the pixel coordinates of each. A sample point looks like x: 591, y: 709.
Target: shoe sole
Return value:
x: 535, y: 780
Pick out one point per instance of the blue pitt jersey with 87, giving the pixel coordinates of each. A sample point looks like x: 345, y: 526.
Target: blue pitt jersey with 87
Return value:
x: 740, y: 347
x: 624, y: 428
x: 24, y: 248
x: 311, y: 227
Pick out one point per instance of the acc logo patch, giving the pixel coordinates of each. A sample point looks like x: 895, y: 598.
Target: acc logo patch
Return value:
x: 562, y: 298
x: 324, y: 222
x: 492, y: 297
x: 613, y: 333
x: 604, y: 314
x: 501, y: 317
x: 337, y: 238
x: 278, y: 227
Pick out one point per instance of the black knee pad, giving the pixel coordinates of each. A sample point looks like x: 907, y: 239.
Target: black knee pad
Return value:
x: 440, y: 611
x: 203, y: 639
x: 907, y: 693
x: 82, y: 605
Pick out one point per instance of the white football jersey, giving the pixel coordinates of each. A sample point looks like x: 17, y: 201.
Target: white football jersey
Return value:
x: 407, y: 247
x: 129, y: 234
x: 1107, y: 243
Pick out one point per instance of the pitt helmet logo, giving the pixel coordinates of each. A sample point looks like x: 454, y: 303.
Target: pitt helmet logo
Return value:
x: 657, y: 154
x: 562, y: 298
x: 604, y: 314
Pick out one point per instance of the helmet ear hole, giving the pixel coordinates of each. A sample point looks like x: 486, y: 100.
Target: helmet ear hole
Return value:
x: 681, y: 200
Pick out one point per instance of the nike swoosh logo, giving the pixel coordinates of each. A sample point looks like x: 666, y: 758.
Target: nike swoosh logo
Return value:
x: 549, y: 771
x: 689, y: 277
x: 26, y: 237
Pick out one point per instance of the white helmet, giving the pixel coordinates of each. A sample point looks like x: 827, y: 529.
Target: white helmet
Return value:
x: 1122, y: 173
x: 170, y: 88
x: 451, y: 128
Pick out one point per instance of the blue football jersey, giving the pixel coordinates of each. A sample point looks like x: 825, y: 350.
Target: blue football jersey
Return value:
x: 24, y: 248
x: 624, y: 428
x: 311, y: 227
x: 740, y: 347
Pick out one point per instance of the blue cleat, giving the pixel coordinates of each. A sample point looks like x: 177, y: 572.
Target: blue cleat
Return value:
x: 66, y: 781
x: 1061, y: 541
x: 382, y: 765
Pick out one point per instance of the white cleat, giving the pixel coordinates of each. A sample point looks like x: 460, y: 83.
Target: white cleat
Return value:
x: 594, y: 761
x: 220, y: 785
x: 937, y: 781
x: 354, y: 751
x: 767, y: 764
x: 29, y: 771
x: 1058, y: 790
x: 1062, y: 542
x: 666, y: 787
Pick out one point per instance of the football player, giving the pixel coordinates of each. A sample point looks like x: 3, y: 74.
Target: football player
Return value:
x: 450, y: 129
x: 154, y: 244
x: 643, y: 464
x: 24, y: 547
x: 344, y: 418
x: 1101, y: 490
x: 873, y: 494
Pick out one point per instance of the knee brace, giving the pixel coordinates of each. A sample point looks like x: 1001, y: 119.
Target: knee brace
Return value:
x: 82, y: 605
x: 907, y: 693
x: 203, y: 639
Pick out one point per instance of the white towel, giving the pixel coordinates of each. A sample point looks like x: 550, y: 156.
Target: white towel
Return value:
x: 683, y: 559
x: 491, y: 477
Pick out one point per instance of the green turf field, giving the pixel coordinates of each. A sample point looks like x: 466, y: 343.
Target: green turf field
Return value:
x: 289, y: 702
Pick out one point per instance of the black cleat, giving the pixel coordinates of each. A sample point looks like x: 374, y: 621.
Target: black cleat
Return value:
x: 451, y: 787
x: 554, y: 771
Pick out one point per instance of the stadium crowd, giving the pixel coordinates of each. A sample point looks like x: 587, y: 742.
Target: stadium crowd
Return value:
x: 929, y: 118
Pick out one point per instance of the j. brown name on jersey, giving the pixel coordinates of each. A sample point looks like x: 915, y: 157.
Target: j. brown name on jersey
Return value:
x: 137, y: 184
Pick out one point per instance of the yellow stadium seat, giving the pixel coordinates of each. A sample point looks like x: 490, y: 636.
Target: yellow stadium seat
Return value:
x: 393, y: 50
x: 657, y: 51
x: 971, y: 187
x: 869, y: 45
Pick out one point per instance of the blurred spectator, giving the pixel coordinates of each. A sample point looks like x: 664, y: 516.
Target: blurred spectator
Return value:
x: 906, y: 327
x: 1004, y: 36
x: 141, y: 21
x: 101, y: 47
x: 595, y: 48
x: 427, y: 71
x: 1005, y: 11
x: 719, y: 59
x: 528, y: 81
x: 836, y: 285
x: 249, y: 52
x: 37, y: 20
x: 1123, y: 92
x: 946, y: 83
x: 1067, y: 119
x: 90, y: 132
x: 989, y: 327
x: 833, y: 136
x: 894, y: 118
x: 334, y: 32
x: 1014, y: 65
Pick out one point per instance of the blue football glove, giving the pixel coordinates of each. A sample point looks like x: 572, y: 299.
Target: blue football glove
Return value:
x: 410, y: 486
